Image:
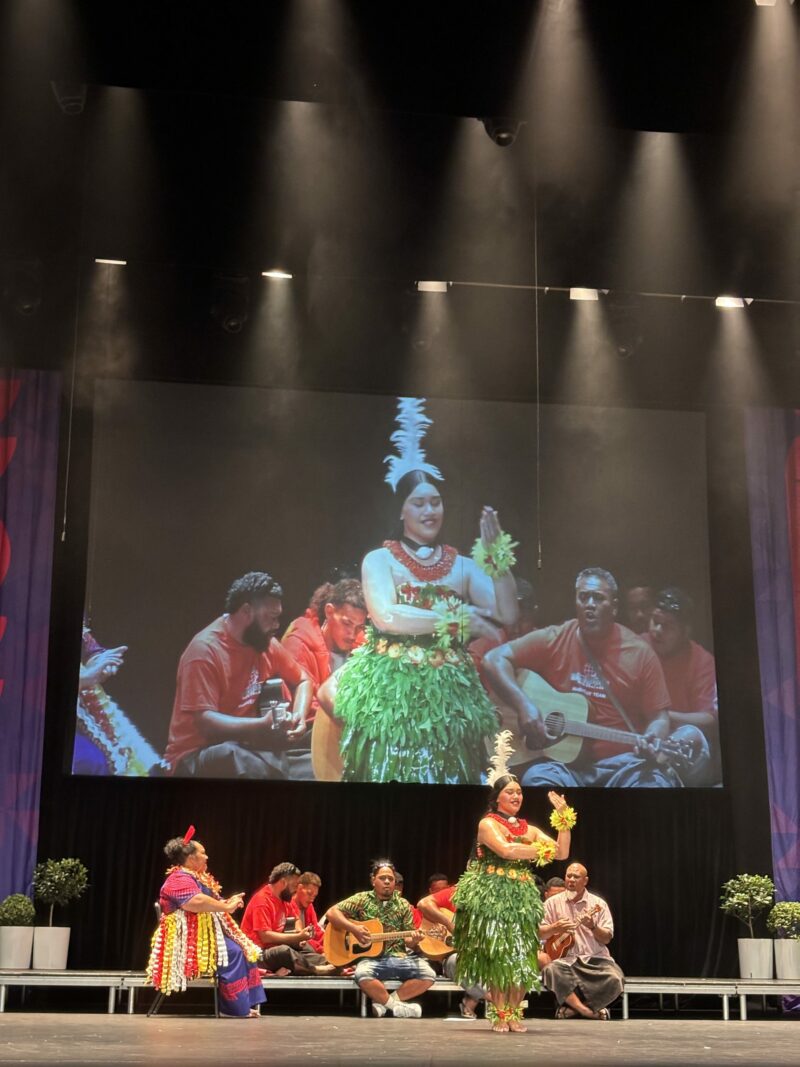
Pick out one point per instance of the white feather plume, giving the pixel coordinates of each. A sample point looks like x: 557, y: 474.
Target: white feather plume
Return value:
x: 412, y: 425
x: 503, y: 751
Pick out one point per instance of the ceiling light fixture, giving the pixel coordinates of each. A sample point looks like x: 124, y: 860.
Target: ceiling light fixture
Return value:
x: 579, y: 293
x: 275, y: 273
x: 729, y: 302
x: 113, y: 262
x: 432, y: 287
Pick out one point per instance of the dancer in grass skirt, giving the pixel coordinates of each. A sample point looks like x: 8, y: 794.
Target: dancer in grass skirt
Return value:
x: 498, y: 907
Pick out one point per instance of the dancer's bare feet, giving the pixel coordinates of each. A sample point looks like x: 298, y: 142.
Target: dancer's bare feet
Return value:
x: 517, y: 1027
x: 500, y: 1027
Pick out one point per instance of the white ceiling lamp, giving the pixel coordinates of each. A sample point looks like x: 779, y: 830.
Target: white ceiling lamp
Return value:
x: 432, y: 287
x: 275, y: 273
x: 579, y: 293
x: 113, y: 262
x: 729, y: 302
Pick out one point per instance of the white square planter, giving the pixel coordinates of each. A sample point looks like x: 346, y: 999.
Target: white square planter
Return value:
x: 787, y: 957
x: 755, y: 957
x: 16, y: 944
x: 50, y: 947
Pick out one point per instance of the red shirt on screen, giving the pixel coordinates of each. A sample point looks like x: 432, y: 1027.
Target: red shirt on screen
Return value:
x: 630, y: 666
x: 265, y: 911
x: 219, y: 673
x: 691, y: 679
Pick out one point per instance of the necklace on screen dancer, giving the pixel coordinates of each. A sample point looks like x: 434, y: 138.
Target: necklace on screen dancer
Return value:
x: 422, y: 552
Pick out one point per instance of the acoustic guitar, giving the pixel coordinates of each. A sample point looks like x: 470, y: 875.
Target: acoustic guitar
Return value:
x: 438, y: 941
x: 557, y: 945
x: 340, y: 947
x: 566, y: 721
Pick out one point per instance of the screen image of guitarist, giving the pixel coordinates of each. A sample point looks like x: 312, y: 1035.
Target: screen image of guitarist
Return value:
x: 598, y: 689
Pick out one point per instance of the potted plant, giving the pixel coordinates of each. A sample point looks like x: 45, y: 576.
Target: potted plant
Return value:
x: 16, y: 932
x: 55, y: 882
x: 784, y: 921
x: 745, y: 897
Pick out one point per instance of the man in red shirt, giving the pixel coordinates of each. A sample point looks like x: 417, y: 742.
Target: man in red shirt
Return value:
x: 222, y: 726
x: 609, y: 665
x: 265, y: 921
x: 332, y: 626
x: 302, y: 907
x: 689, y: 671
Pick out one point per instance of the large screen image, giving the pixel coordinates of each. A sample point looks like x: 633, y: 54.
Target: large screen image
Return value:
x: 312, y: 586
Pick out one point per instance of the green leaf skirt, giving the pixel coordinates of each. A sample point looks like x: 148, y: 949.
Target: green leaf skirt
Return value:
x: 413, y: 712
x: 498, y: 912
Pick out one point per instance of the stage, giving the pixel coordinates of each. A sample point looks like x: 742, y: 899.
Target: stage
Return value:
x: 331, y: 1039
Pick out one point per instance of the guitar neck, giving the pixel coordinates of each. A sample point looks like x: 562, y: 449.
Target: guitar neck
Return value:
x: 600, y: 733
x: 393, y: 935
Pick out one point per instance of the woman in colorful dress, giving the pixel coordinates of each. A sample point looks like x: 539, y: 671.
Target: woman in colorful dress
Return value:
x: 197, y: 936
x: 412, y: 705
x: 497, y: 902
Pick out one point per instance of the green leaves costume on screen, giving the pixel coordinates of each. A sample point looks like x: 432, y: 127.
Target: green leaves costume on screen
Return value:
x: 414, y: 710
x: 498, y: 912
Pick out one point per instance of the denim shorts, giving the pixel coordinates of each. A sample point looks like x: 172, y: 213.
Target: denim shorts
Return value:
x: 397, y: 968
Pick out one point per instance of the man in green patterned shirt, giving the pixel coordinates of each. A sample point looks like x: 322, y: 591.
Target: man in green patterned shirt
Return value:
x: 394, y: 912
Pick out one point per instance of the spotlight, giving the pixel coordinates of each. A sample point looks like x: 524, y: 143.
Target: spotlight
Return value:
x: 432, y: 287
x: 578, y: 293
x: 113, y: 262
x: 275, y: 274
x: 22, y: 287
x: 230, y: 301
x: 70, y: 96
x: 729, y: 302
x: 502, y: 131
x: 765, y: 3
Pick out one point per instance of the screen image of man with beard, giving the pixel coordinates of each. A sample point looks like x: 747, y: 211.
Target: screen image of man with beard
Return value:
x: 241, y: 700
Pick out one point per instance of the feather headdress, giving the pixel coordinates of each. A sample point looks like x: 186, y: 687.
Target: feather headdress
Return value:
x: 503, y: 751
x: 412, y: 425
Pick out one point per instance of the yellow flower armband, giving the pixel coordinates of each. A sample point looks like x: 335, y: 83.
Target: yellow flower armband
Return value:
x: 564, y: 819
x: 498, y: 559
x: 546, y: 850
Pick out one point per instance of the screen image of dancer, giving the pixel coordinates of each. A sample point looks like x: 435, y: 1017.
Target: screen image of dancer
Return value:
x: 343, y: 587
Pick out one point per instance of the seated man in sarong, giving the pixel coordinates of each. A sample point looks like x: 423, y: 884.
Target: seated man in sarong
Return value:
x: 585, y: 980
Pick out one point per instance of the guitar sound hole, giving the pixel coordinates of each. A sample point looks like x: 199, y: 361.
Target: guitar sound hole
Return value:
x: 554, y: 725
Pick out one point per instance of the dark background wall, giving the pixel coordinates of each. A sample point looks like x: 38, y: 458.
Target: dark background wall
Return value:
x: 235, y: 146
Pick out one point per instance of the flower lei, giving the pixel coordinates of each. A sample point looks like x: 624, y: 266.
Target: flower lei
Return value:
x: 105, y: 723
x: 498, y: 559
x: 564, y: 819
x: 206, y: 878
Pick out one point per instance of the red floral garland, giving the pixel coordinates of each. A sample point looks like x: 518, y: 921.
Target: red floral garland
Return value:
x: 517, y: 828
x: 425, y: 574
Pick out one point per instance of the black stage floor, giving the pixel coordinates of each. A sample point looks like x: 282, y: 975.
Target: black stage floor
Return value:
x: 352, y: 1042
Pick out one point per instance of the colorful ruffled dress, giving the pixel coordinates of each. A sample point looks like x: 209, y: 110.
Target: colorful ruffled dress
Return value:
x: 497, y: 918
x: 188, y: 945
x: 413, y: 707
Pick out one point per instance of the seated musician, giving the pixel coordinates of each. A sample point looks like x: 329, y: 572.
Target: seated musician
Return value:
x: 395, y: 962
x: 302, y: 907
x: 585, y: 979
x: 438, y: 907
x: 399, y: 887
x: 553, y: 886
x: 616, y: 671
x: 286, y: 951
x: 689, y: 671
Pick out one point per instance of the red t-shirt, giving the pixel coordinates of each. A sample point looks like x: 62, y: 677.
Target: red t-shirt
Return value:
x: 265, y: 911
x: 691, y: 679
x: 307, y: 918
x: 444, y: 898
x: 630, y: 666
x: 219, y: 673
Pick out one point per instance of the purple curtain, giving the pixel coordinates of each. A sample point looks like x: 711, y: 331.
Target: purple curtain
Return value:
x: 773, y: 438
x: 29, y: 409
